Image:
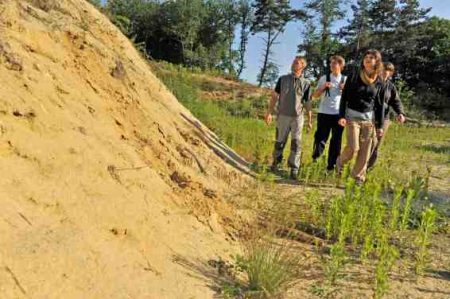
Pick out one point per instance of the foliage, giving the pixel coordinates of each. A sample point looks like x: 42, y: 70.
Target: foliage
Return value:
x: 270, y: 268
x: 371, y: 224
x: 319, y: 43
x: 271, y: 18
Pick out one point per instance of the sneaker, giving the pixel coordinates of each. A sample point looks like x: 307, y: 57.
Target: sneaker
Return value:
x: 359, y: 182
x: 274, y: 168
x: 294, y: 174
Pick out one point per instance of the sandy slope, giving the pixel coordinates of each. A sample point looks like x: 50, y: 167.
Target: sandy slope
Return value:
x: 107, y: 182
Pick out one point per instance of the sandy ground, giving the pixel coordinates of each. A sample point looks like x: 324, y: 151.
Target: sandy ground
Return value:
x: 108, y: 186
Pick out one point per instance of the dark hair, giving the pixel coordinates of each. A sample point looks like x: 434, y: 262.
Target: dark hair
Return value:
x: 379, y: 62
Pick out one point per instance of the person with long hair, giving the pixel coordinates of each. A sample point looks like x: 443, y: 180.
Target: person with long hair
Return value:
x: 361, y: 111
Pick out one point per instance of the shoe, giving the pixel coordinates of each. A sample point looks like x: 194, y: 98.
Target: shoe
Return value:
x: 338, y: 171
x: 274, y: 168
x: 359, y: 182
x: 294, y: 174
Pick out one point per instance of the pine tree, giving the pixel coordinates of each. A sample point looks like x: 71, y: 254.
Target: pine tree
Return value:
x: 319, y: 41
x: 358, y: 32
x: 406, y: 35
x: 231, y: 19
x: 311, y: 47
x: 245, y: 14
x: 271, y: 17
x: 383, y: 15
x: 272, y: 74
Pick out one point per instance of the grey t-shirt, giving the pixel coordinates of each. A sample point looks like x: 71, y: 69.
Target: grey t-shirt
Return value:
x: 294, y: 93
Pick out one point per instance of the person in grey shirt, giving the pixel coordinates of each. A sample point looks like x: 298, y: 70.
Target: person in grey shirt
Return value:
x: 292, y: 93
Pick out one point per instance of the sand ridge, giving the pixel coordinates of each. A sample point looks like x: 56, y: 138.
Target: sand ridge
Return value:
x: 107, y: 181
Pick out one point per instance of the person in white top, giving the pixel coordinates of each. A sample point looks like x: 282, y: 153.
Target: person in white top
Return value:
x: 329, y: 90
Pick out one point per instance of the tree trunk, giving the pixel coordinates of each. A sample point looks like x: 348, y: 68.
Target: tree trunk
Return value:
x: 266, y: 58
x: 242, y: 47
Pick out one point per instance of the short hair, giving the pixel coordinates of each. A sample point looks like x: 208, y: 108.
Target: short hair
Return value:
x: 389, y: 66
x: 339, y: 59
x: 302, y: 59
x: 378, y: 63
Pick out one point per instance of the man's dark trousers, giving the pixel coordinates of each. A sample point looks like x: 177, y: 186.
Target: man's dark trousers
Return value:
x: 327, y: 123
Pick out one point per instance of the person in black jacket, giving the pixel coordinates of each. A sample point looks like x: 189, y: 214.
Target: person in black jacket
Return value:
x: 391, y: 99
x: 361, y: 111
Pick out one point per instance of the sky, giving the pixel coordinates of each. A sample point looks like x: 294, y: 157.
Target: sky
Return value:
x: 286, y: 48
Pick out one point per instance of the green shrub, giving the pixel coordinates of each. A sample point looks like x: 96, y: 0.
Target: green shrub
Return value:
x: 271, y: 268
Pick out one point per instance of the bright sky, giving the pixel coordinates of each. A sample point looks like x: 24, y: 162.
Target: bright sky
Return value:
x: 287, y: 47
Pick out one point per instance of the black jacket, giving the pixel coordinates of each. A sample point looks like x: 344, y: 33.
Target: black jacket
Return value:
x: 363, y: 98
x: 391, y: 99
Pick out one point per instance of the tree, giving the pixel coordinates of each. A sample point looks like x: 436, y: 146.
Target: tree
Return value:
x: 196, y: 33
x: 405, y: 36
x: 216, y: 35
x: 383, y: 17
x: 357, y: 33
x: 428, y: 67
x: 231, y: 19
x: 271, y: 17
x: 245, y: 14
x: 319, y: 42
x: 310, y: 47
x: 182, y: 21
x: 271, y: 75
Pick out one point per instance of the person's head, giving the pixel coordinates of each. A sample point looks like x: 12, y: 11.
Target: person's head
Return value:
x: 372, y: 61
x: 388, y: 70
x: 299, y: 64
x: 337, y: 63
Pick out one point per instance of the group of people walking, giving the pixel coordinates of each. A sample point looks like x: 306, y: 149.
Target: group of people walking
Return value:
x: 359, y: 102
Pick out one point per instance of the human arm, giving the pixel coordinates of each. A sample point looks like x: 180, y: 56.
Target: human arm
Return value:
x: 273, y: 101
x: 343, y: 104
x: 322, y: 85
x: 396, y: 104
x: 379, y: 113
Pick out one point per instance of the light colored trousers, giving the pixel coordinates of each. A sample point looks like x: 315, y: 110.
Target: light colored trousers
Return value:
x: 360, y: 136
x: 286, y: 125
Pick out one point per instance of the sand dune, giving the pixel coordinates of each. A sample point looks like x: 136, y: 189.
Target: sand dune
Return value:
x: 107, y: 182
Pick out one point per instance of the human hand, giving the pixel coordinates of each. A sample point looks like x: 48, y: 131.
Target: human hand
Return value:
x: 268, y: 118
x: 380, y: 132
x: 326, y: 85
x: 342, y: 122
x: 401, y: 118
x: 310, y: 126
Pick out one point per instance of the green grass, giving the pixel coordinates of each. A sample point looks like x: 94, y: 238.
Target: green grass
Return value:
x: 270, y: 268
x: 239, y: 123
x: 377, y: 221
